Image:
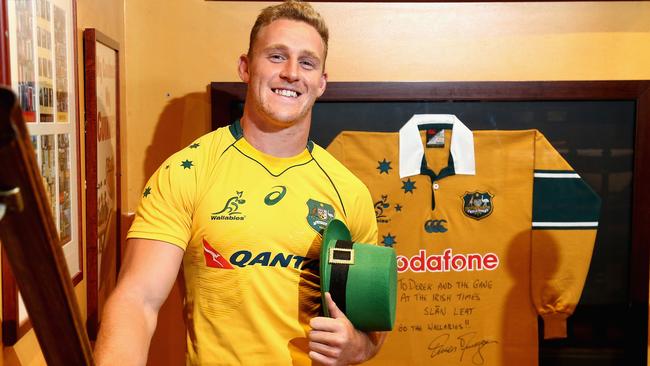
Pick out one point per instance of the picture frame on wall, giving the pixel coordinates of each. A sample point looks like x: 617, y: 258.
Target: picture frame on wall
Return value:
x: 42, y: 69
x: 103, y: 211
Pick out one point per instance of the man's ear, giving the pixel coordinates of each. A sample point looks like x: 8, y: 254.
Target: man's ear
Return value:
x: 242, y: 68
x: 323, y: 84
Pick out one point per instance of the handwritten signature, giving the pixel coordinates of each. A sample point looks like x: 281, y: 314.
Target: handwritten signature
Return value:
x: 467, y: 342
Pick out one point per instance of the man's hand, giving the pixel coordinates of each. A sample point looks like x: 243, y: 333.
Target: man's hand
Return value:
x: 335, y: 341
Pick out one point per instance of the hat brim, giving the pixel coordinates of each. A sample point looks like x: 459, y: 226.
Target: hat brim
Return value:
x: 335, y: 230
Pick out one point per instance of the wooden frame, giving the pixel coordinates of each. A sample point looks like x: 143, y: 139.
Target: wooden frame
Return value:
x: 60, y: 42
x: 226, y: 96
x: 103, y: 213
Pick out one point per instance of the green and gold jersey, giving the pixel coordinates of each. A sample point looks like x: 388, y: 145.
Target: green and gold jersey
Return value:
x: 491, y: 228
x: 250, y: 226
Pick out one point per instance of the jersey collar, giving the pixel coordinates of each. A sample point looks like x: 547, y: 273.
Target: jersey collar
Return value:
x: 237, y: 132
x: 411, y: 150
x: 274, y: 165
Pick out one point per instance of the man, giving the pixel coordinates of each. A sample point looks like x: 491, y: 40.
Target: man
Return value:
x: 242, y: 208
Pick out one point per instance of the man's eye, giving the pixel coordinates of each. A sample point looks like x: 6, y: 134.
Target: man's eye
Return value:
x: 309, y: 65
x: 276, y: 58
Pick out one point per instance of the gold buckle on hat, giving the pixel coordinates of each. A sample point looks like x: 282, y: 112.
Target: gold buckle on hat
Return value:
x: 341, y: 261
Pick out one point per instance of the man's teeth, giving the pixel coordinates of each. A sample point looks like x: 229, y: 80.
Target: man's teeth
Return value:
x: 286, y: 93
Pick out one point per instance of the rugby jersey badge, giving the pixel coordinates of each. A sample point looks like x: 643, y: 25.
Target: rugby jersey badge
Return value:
x: 319, y: 214
x: 477, y: 205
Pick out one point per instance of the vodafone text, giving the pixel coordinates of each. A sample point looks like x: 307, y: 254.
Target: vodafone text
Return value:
x: 447, y: 262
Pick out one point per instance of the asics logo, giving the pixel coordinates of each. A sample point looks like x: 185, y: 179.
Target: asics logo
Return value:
x: 275, y: 196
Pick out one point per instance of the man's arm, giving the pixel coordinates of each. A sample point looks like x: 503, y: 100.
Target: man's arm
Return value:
x: 129, y: 318
x: 335, y: 341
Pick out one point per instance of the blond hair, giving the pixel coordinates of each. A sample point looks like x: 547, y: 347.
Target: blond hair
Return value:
x: 292, y: 10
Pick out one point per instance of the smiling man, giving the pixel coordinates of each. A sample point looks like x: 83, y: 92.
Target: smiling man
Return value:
x: 242, y: 210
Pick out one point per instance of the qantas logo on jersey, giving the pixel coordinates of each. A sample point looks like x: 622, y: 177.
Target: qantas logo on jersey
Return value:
x: 379, y: 209
x: 230, y: 210
x: 246, y: 258
x: 213, y: 258
x: 477, y: 205
x: 448, y: 261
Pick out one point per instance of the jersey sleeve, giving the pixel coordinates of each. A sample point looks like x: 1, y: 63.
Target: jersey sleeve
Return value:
x: 167, y: 202
x: 362, y: 221
x: 564, y: 225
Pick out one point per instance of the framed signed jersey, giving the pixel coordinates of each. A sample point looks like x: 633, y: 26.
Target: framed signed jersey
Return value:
x: 597, y: 127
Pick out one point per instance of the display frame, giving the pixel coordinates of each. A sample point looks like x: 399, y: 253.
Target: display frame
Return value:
x: 226, y: 98
x: 15, y: 320
x: 102, y: 140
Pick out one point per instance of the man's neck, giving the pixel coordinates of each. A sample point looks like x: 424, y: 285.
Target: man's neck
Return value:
x: 276, y: 140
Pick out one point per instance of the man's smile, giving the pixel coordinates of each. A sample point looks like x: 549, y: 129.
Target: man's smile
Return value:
x: 286, y: 92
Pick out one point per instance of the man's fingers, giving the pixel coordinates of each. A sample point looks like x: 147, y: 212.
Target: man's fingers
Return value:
x: 335, y: 312
x: 326, y: 324
x: 325, y: 337
x: 324, y: 349
x: 321, y: 359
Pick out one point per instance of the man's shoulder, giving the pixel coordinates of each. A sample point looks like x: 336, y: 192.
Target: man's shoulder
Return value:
x: 338, y: 172
x: 209, y: 143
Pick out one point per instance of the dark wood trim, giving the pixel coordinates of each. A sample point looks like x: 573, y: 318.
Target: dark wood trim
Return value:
x: 5, y: 75
x: 9, y: 304
x: 9, y: 287
x: 10, y: 317
x: 76, y: 278
x: 90, y: 123
x: 640, y: 253
x: 118, y: 163
x: 224, y: 95
x: 458, y: 91
x: 91, y: 38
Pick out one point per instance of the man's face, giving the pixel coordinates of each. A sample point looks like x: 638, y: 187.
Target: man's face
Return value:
x: 284, y: 73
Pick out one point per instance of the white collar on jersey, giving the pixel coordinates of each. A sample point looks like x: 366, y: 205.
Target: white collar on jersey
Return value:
x: 411, y: 150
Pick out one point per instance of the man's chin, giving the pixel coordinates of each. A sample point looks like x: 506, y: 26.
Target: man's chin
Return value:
x: 287, y: 120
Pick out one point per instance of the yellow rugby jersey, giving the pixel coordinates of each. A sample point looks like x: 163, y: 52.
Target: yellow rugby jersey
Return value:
x: 250, y: 226
x: 491, y: 228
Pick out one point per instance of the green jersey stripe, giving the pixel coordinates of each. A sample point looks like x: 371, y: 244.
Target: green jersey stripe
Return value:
x: 560, y: 200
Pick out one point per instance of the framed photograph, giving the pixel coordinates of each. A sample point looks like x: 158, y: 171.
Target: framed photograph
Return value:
x: 42, y: 68
x: 101, y: 65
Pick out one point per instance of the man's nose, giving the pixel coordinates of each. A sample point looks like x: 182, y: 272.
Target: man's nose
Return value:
x: 290, y: 71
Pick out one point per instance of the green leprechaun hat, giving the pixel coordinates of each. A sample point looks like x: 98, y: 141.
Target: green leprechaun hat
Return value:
x: 361, y: 278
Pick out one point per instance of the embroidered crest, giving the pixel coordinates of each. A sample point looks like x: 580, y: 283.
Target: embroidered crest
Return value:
x: 319, y: 214
x: 477, y: 205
